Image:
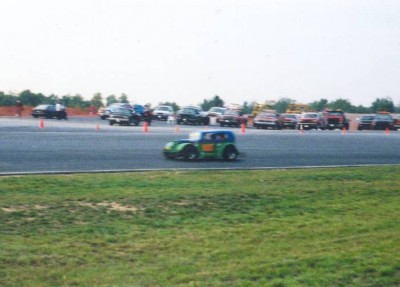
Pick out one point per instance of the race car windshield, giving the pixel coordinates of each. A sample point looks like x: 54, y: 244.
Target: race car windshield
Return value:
x: 195, y: 136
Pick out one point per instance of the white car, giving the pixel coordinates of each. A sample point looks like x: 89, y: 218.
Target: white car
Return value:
x: 163, y: 112
x: 216, y: 111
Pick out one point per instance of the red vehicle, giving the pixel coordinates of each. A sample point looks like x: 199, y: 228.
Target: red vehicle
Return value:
x: 232, y: 118
x: 335, y: 119
x: 311, y: 120
x: 290, y: 120
x: 268, y: 120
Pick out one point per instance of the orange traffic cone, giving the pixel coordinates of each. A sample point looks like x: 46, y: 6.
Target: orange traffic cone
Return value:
x: 387, y: 131
x: 344, y: 130
x: 97, y: 128
x: 145, y: 127
x: 177, y: 130
x: 41, y: 124
x: 243, y: 128
x: 301, y: 130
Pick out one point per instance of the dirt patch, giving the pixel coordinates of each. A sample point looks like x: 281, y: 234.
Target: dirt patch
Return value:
x: 23, y: 208
x: 111, y: 206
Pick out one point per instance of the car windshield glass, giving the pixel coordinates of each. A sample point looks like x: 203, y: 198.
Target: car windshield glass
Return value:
x: 217, y: 110
x: 335, y: 113
x: 365, y: 118
x: 310, y: 116
x: 190, y: 111
x: 235, y: 113
x: 122, y: 111
x: 41, y: 107
x: 290, y: 116
x: 267, y: 115
x: 383, y: 117
x: 163, y: 108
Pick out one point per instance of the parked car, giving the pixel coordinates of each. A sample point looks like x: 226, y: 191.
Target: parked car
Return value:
x: 216, y: 112
x: 192, y: 115
x: 268, y: 120
x: 397, y: 122
x: 163, y: 112
x: 104, y: 113
x: 124, y: 116
x: 310, y: 120
x: 49, y: 111
x: 233, y: 118
x: 217, y: 144
x: 365, y: 122
x: 383, y: 121
x: 290, y: 120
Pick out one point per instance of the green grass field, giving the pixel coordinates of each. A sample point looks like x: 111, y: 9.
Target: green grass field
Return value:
x: 312, y: 227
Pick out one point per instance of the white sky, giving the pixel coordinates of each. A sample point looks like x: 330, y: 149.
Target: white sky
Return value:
x: 185, y: 51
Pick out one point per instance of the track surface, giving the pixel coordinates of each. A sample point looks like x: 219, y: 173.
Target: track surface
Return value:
x: 90, y: 144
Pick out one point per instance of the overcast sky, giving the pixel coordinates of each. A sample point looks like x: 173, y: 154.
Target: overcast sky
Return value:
x: 185, y: 51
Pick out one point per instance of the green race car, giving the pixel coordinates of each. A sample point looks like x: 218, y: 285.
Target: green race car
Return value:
x: 217, y: 144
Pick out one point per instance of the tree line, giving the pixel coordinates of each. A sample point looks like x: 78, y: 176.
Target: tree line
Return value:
x: 29, y: 98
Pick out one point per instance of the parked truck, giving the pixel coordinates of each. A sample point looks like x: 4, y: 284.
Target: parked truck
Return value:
x: 335, y: 119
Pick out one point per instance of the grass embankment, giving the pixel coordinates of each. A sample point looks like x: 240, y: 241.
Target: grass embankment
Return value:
x: 327, y: 227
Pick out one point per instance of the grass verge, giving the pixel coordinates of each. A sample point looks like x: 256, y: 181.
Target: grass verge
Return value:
x: 314, y: 227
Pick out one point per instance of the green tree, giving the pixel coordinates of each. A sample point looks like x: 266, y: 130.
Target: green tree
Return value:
x: 397, y: 108
x: 52, y: 99
x: 214, y: 102
x: 7, y: 100
x: 282, y: 104
x: 97, y: 100
x: 247, y: 108
x: 111, y: 99
x: 342, y: 104
x: 383, y: 104
x: 319, y: 105
x: 31, y: 99
x: 123, y: 98
x: 362, y: 110
x: 77, y: 101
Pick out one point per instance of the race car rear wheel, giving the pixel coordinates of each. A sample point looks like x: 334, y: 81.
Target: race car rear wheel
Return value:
x: 230, y: 153
x: 190, y: 153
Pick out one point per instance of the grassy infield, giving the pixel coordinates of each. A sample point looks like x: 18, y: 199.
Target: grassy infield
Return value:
x: 326, y: 227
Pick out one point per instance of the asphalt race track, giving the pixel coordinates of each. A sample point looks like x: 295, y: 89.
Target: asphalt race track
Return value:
x: 84, y: 144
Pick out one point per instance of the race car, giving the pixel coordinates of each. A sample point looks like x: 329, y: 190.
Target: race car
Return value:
x: 214, y: 144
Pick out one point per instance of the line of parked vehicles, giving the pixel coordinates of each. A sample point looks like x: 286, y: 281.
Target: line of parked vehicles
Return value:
x: 265, y: 119
x: 379, y: 121
x: 327, y: 119
x: 126, y: 114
